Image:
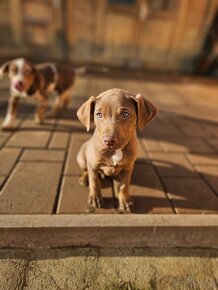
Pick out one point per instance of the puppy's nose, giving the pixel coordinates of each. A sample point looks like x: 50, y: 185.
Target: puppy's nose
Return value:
x: 110, y: 140
x: 19, y: 85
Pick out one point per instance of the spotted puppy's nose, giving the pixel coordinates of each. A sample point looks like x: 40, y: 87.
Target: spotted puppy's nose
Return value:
x: 110, y: 140
x: 19, y: 85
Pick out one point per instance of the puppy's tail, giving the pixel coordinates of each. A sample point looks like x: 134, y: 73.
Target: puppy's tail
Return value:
x: 80, y: 70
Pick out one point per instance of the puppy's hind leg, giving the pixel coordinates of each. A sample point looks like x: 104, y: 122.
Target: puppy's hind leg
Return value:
x: 66, y: 98
x: 61, y: 101
x: 40, y: 112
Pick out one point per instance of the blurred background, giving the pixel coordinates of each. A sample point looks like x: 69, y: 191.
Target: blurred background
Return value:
x: 179, y: 36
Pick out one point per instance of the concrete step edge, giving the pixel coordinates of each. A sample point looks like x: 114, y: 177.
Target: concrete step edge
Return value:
x: 50, y: 231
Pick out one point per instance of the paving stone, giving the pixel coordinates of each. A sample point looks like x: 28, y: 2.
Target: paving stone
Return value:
x: 59, y: 140
x: 153, y: 145
x: 65, y: 125
x: 210, y: 159
x: 29, y: 123
x: 8, y: 157
x: 31, y: 189
x: 72, y: 168
x: 210, y: 173
x: 157, y: 128
x: 172, y: 165
x: 191, y: 195
x: 74, y: 197
x: 3, y: 137
x: 30, y: 139
x: 192, y: 128
x: 43, y: 155
x: 146, y: 191
x: 172, y: 144
x: 142, y: 156
x: 2, y: 179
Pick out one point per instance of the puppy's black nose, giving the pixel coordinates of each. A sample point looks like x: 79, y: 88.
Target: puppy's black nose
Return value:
x: 109, y: 140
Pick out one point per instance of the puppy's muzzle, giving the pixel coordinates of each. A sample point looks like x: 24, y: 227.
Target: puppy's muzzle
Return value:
x: 110, y: 140
x: 19, y: 85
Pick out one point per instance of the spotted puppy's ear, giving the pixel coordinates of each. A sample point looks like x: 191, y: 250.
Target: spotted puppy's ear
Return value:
x: 85, y: 111
x: 4, y: 68
x: 145, y: 110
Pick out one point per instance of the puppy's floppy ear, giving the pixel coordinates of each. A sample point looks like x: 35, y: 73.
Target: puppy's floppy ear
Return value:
x: 146, y: 111
x: 85, y: 111
x: 4, y: 68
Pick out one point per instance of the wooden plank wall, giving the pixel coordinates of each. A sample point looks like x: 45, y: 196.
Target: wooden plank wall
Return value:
x: 81, y: 28
x: 96, y: 31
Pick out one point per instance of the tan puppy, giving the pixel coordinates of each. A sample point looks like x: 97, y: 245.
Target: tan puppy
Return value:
x: 37, y: 82
x: 112, y: 148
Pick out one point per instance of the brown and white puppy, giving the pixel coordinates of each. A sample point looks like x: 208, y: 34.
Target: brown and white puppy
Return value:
x: 112, y: 148
x: 38, y: 82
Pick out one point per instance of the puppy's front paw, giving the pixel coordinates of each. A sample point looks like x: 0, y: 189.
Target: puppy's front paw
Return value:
x: 94, y: 202
x: 38, y: 120
x: 8, y: 125
x: 126, y: 207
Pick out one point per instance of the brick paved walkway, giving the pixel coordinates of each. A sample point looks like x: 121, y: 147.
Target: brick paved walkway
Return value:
x: 176, y: 170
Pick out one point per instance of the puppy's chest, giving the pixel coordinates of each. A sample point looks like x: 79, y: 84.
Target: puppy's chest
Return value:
x: 113, y: 164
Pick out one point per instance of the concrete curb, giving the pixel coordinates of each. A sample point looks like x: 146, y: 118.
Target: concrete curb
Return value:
x: 50, y: 231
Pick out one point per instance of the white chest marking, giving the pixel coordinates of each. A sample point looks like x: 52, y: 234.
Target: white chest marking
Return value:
x: 15, y: 92
x: 117, y: 157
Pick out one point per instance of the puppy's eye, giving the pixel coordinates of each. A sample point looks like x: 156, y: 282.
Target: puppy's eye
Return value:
x: 125, y: 114
x: 99, y: 115
x: 14, y: 70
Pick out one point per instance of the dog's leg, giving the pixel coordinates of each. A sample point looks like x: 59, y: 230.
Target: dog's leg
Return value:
x: 125, y: 204
x: 11, y: 113
x: 81, y: 160
x: 40, y: 112
x: 66, y: 99
x: 84, y: 178
x: 95, y: 198
x: 61, y: 101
